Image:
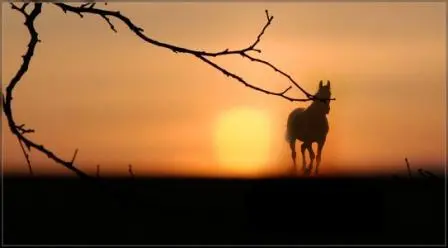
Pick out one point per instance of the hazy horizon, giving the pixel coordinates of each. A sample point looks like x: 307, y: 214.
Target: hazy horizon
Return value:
x: 122, y: 101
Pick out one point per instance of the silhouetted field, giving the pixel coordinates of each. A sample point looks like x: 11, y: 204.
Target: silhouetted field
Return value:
x: 224, y: 211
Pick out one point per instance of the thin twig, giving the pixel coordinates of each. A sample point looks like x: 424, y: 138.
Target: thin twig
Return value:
x: 30, y: 168
x: 74, y: 156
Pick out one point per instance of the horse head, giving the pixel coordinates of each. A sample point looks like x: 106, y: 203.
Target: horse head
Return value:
x: 324, y: 92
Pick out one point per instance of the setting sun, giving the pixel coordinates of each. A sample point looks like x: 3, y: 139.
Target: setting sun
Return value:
x: 242, y: 140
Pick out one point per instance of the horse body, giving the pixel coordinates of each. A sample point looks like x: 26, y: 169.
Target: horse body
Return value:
x: 303, y: 126
x: 308, y: 126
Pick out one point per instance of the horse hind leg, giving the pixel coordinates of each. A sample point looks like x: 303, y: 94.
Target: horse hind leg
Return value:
x: 303, y: 149
x: 312, y: 156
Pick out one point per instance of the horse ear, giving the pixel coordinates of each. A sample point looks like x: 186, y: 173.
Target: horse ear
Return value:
x: 328, y: 83
x: 320, y: 84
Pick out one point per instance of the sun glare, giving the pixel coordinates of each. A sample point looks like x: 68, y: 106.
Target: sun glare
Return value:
x: 242, y: 140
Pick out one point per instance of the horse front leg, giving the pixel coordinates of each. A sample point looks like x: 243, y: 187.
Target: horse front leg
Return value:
x: 312, y: 156
x: 320, y: 146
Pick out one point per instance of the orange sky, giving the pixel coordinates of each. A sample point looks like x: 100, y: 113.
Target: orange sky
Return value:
x: 121, y: 101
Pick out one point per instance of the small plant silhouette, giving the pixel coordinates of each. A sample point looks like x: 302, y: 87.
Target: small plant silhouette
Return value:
x: 98, y: 170
x: 422, y: 172
x: 130, y: 171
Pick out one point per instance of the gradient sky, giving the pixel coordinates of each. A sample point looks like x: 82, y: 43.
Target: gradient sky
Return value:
x: 121, y: 101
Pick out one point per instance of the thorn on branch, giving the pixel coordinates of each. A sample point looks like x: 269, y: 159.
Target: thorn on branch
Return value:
x: 286, y: 90
x: 87, y: 5
x: 23, y: 130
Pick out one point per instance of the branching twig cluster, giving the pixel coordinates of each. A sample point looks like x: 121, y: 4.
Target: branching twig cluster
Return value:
x: 202, y: 55
x: 90, y: 8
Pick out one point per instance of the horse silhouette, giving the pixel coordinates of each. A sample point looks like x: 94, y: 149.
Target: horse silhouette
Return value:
x: 310, y: 125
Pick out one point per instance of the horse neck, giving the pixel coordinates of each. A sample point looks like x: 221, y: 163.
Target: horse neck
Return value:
x: 315, y: 110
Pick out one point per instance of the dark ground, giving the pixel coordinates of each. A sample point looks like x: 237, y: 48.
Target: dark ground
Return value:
x: 212, y: 211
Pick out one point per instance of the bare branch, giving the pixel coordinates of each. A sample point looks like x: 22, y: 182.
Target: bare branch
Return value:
x: 105, y: 14
x: 308, y: 95
x: 18, y: 130
x: 245, y: 83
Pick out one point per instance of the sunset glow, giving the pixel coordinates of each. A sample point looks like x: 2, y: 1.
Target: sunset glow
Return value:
x: 242, y: 140
x: 121, y: 101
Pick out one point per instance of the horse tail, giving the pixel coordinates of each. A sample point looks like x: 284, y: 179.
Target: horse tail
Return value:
x: 289, y: 134
x: 288, y: 127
